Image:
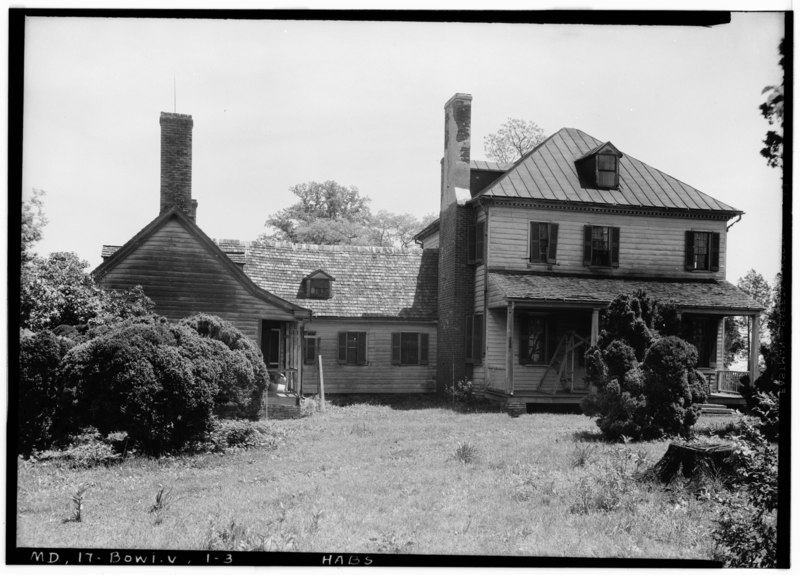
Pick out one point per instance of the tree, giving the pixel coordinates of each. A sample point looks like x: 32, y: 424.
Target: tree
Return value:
x: 398, y: 230
x: 33, y: 222
x: 736, y: 328
x: 513, y: 140
x: 772, y: 110
x: 57, y: 291
x: 331, y: 214
x: 327, y: 213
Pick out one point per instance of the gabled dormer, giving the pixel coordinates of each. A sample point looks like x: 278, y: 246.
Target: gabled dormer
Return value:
x: 318, y: 285
x: 599, y: 168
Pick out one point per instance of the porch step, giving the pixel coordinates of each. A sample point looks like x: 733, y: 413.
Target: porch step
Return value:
x: 715, y: 409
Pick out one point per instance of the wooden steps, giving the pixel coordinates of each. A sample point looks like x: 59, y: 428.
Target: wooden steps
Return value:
x: 715, y: 409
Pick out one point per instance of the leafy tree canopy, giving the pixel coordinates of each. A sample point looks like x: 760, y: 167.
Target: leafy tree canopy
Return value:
x: 329, y: 213
x: 33, y: 222
x: 513, y: 140
x: 772, y: 110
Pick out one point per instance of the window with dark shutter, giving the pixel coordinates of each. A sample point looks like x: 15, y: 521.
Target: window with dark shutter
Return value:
x: 477, y: 339
x: 395, y: 349
x: 601, y: 246
x: 468, y: 338
x: 715, y: 252
x: 480, y: 231
x: 409, y: 348
x: 702, y: 251
x: 543, y: 242
x: 310, y: 347
x: 353, y: 347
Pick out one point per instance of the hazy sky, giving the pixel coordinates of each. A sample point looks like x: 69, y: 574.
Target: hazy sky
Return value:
x: 276, y: 103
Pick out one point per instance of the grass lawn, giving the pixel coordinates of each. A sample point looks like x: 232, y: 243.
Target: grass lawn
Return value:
x: 372, y: 478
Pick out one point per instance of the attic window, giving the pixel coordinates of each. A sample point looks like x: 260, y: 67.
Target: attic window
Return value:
x: 319, y: 288
x: 607, y: 171
x: 599, y: 168
x: 318, y: 285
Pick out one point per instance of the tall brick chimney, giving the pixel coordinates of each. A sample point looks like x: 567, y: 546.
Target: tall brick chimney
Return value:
x: 455, y: 283
x: 176, y: 163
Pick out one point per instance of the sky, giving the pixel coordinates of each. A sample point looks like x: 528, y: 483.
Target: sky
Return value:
x: 278, y: 103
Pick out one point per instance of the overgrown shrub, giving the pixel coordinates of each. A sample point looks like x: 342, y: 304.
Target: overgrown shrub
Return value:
x: 138, y: 378
x: 674, y: 389
x: 462, y: 391
x: 746, y: 532
x: 88, y: 449
x: 42, y: 398
x: 644, y: 380
x: 243, y: 377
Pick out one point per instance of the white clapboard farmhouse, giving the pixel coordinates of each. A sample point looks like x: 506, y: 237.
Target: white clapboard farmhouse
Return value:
x: 506, y: 290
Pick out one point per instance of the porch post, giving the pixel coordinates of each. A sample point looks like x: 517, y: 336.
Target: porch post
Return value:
x: 595, y: 326
x: 510, y: 348
x: 754, y: 348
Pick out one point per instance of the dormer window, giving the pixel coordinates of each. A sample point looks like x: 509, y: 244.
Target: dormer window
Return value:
x: 318, y: 285
x: 599, y: 168
x: 607, y: 171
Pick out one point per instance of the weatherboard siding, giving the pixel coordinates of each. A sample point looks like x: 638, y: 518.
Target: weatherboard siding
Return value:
x: 183, y: 278
x: 649, y: 246
x: 379, y: 375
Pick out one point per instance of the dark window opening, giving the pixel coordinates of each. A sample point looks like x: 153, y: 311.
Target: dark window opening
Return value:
x: 534, y: 340
x: 601, y: 246
x: 353, y: 347
x: 410, y: 348
x: 543, y: 242
x: 702, y: 251
x: 319, y: 288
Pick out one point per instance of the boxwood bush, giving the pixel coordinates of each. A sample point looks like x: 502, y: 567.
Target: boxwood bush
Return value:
x: 644, y: 376
x: 140, y: 378
x: 243, y: 377
x: 43, y: 402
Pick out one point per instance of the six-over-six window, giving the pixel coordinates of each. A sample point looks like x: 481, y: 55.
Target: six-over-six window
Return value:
x: 409, y: 348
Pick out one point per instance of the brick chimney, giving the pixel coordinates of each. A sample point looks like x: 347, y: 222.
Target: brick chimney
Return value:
x: 455, y: 164
x: 176, y: 163
x: 456, y: 287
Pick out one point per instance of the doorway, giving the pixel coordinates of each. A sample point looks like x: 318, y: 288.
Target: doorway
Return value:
x: 272, y: 344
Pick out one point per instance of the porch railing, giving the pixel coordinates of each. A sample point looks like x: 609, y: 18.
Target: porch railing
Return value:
x: 724, y: 381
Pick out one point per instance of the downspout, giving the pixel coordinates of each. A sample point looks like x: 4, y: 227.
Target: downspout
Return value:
x: 734, y: 223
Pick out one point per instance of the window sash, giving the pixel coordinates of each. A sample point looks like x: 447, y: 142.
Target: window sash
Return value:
x: 410, y: 348
x: 601, y: 246
x: 319, y: 288
x: 353, y: 347
x: 534, y: 344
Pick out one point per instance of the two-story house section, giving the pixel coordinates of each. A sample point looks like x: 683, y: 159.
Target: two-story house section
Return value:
x: 531, y: 253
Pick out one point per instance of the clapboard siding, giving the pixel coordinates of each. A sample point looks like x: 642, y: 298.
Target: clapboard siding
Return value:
x: 649, y: 246
x: 183, y: 277
x: 495, y: 361
x: 379, y: 375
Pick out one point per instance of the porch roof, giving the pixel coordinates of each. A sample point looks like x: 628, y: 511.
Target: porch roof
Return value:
x: 709, y: 295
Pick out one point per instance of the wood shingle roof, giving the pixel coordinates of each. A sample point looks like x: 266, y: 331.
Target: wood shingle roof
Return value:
x: 548, y: 173
x: 544, y: 288
x: 371, y: 282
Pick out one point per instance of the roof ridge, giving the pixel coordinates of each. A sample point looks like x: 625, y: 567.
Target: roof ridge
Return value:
x: 390, y: 250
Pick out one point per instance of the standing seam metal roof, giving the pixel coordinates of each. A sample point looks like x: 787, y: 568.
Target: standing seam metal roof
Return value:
x: 548, y: 173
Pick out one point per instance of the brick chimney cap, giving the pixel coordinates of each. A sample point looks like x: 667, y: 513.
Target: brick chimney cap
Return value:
x: 459, y: 96
x: 175, y: 117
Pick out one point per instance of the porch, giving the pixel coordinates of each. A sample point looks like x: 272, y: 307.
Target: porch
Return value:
x: 538, y: 330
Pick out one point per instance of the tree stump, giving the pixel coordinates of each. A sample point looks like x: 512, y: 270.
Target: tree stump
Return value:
x: 691, y: 458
